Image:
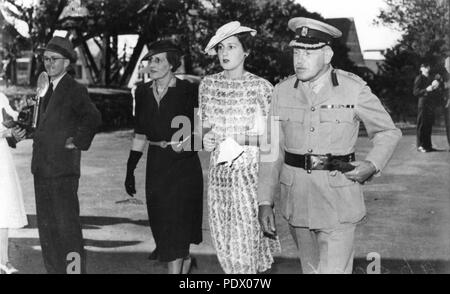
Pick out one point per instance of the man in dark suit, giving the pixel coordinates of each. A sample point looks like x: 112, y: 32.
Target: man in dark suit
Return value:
x: 68, y: 121
x: 446, y: 103
x: 426, y: 90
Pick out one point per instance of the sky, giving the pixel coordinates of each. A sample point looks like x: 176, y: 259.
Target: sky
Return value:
x: 364, y: 12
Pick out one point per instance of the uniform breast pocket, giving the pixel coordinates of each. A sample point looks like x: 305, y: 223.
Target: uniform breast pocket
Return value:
x: 337, y: 126
x: 293, y: 124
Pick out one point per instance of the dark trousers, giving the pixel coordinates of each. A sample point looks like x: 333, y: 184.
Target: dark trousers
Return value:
x: 425, y: 119
x: 58, y: 218
x: 447, y: 122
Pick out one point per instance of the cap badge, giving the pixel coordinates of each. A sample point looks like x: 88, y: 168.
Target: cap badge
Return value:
x: 304, y: 31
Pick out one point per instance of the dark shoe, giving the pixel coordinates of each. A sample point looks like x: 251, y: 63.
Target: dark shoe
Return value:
x: 153, y: 255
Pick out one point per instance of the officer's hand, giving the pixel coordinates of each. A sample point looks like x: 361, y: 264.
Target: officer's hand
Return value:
x: 130, y: 186
x: 18, y: 133
x: 267, y: 219
x: 363, y: 172
x: 209, y: 141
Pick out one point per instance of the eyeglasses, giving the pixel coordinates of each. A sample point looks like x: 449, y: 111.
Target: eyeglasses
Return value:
x: 51, y: 59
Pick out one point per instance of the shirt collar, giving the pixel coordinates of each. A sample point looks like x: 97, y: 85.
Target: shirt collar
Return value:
x: 56, y: 81
x: 172, y: 83
x: 318, y: 84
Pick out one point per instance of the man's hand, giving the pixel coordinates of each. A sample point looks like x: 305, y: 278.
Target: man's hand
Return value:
x: 18, y: 133
x: 434, y: 85
x: 130, y: 185
x: 363, y: 172
x: 266, y: 219
x: 69, y: 144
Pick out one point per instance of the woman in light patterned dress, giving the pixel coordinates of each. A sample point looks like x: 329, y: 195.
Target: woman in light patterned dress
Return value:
x: 230, y: 104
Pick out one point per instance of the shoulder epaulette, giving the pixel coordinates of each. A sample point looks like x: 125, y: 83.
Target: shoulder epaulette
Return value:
x: 350, y: 75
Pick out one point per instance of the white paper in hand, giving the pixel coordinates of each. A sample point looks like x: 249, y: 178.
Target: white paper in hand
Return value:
x: 229, y: 151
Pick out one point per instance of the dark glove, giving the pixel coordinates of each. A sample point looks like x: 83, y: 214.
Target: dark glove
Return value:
x: 12, y: 142
x: 132, y: 162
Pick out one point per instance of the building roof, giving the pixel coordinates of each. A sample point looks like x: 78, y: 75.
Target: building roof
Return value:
x: 349, y: 38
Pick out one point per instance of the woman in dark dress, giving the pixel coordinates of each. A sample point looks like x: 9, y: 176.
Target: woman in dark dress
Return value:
x: 164, y: 117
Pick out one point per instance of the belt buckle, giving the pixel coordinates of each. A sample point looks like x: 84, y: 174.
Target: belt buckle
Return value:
x: 163, y: 144
x: 317, y: 162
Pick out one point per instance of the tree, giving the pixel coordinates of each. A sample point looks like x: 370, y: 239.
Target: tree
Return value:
x: 424, y: 23
x: 425, y: 28
x: 190, y: 23
x: 271, y: 57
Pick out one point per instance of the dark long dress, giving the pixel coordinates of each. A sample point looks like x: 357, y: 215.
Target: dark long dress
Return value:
x: 174, y: 181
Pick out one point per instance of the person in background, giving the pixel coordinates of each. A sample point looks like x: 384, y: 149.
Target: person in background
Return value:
x: 426, y: 89
x: 446, y: 100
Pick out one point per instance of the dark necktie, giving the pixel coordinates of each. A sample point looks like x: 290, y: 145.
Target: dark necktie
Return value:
x: 47, y: 97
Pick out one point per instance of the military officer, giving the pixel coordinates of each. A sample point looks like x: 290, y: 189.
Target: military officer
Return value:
x: 319, y: 111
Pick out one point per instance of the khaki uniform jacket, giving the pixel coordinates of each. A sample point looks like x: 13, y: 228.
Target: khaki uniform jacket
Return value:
x: 323, y: 123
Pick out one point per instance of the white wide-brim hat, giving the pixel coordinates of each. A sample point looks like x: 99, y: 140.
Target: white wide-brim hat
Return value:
x: 224, y: 32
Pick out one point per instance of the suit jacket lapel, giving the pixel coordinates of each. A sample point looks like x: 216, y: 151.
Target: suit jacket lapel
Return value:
x: 58, y: 94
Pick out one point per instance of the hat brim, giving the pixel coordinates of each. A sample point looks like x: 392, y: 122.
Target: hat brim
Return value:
x: 298, y: 22
x: 72, y: 56
x: 215, y: 40
x: 307, y: 45
x: 161, y: 50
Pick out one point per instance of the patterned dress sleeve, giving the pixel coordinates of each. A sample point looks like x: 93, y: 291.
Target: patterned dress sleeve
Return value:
x: 203, y: 101
x: 266, y: 97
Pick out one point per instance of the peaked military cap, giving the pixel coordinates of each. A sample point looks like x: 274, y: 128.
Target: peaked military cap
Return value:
x: 311, y: 33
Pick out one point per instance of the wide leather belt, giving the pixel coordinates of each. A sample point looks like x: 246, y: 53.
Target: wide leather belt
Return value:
x: 310, y: 162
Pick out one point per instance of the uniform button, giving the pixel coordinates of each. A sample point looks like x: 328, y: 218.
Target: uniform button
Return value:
x: 313, y: 108
x: 310, y: 150
x: 312, y: 129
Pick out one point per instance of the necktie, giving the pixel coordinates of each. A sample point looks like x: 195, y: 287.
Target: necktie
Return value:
x: 47, y: 96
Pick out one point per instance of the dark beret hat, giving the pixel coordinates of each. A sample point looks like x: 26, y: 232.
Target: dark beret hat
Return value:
x: 160, y: 47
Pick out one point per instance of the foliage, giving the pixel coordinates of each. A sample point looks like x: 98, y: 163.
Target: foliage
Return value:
x: 271, y: 57
x: 424, y: 23
x: 425, y: 28
x: 191, y: 23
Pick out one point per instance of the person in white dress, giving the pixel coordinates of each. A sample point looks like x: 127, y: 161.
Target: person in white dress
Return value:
x: 12, y: 211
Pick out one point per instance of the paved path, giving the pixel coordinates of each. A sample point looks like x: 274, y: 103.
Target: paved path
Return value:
x: 408, y: 214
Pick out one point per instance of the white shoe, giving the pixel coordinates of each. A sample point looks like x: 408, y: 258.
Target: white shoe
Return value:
x: 8, y: 268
